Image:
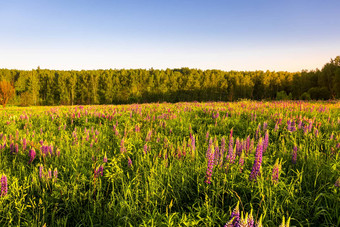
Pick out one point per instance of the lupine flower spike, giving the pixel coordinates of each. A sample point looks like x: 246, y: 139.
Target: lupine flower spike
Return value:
x: 4, y: 188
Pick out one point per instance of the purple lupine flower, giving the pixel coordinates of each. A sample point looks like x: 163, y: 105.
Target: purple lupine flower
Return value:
x: 257, y: 162
x: 222, y: 146
x: 289, y: 125
x: 250, y: 221
x: 101, y: 170
x: 238, y: 147
x: 241, y: 161
x: 209, y: 147
x: 122, y: 147
x: 276, y: 172
x: 251, y: 145
x: 316, y: 132
x: 234, y: 218
x: 266, y: 141
x: 31, y: 155
x: 276, y: 127
x: 105, y: 158
x: 55, y: 173
x: 24, y: 143
x: 231, y: 154
x: 129, y: 162
x: 16, y: 149
x: 148, y: 137
x: 4, y: 187
x: 310, y: 126
x: 294, y: 155
x: 41, y: 171
x: 193, y: 143
x: 145, y: 148
x: 265, y: 124
x: 247, y: 147
x: 337, y: 182
x: 210, y: 165
x: 11, y: 146
x: 49, y: 173
x: 207, y: 136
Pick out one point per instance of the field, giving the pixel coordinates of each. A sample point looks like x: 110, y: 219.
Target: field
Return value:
x: 161, y: 164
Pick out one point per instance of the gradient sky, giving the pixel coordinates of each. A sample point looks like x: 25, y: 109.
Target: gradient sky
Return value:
x: 229, y: 35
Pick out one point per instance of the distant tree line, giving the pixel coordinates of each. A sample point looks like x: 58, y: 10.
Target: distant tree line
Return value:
x: 58, y: 87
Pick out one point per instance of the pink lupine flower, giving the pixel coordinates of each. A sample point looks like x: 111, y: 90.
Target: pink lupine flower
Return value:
x: 24, y: 143
x: 49, y: 176
x: 257, y: 162
x: 210, y: 157
x: 294, y: 155
x: 276, y: 171
x: 31, y: 155
x: 130, y: 162
x: 55, y: 173
x: 4, y: 187
x: 41, y: 171
x: 105, y: 158
x: 266, y: 141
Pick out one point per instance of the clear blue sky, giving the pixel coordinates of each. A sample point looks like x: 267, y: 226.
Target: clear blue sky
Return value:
x: 228, y: 35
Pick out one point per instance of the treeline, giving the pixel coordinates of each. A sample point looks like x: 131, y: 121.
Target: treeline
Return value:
x: 57, y: 87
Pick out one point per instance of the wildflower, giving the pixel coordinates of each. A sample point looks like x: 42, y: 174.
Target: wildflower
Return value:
x: 49, y: 173
x: 257, y: 162
x: 145, y: 148
x: 40, y: 171
x: 337, y: 182
x: 122, y: 147
x: 55, y: 173
x: 234, y: 218
x: 129, y: 162
x: 266, y: 141
x: 294, y: 155
x: 193, y: 145
x: 24, y: 143
x: 241, y: 161
x: 4, y: 188
x: 101, y: 170
x: 105, y: 158
x: 210, y: 157
x: 247, y: 147
x: 250, y: 221
x: 31, y: 155
x: 276, y: 171
x: 265, y: 124
x: 238, y: 147
x: 231, y: 154
x: 148, y: 137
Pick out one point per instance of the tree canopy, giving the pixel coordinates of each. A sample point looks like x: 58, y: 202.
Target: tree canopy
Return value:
x: 113, y: 86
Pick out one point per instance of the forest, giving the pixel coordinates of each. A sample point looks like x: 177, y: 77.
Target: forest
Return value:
x: 120, y: 86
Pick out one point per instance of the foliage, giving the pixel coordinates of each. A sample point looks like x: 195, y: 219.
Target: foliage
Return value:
x: 56, y: 87
x: 6, y: 92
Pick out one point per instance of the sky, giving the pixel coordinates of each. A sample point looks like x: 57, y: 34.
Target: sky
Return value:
x: 276, y: 35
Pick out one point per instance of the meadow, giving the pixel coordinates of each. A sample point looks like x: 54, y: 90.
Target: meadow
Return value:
x: 183, y: 164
